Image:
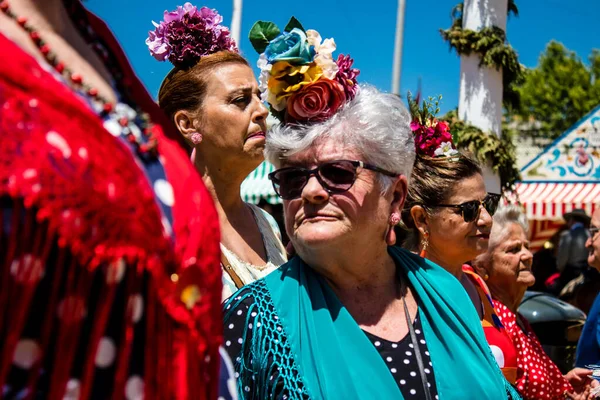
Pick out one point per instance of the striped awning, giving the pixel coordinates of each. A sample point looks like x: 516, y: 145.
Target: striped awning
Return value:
x: 551, y: 200
x: 542, y: 231
x: 257, y: 186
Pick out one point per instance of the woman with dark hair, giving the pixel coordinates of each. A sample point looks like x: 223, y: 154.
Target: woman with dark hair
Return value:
x: 109, y: 247
x: 213, y: 100
x: 350, y: 316
x: 448, y: 215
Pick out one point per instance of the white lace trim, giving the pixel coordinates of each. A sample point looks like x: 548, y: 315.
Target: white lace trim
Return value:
x: 248, y: 272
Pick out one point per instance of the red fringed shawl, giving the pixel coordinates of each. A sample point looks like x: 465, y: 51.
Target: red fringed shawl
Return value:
x: 74, y: 185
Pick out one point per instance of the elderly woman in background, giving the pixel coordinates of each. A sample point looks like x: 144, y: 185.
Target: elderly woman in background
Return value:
x: 351, y: 317
x: 506, y: 268
x: 448, y: 215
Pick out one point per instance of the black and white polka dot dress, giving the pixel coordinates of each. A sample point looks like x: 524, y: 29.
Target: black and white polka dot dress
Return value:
x: 398, y: 356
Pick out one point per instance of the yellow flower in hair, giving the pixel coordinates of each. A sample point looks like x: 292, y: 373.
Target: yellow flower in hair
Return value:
x: 286, y: 79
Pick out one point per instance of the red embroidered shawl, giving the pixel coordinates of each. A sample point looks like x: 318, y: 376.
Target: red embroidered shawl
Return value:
x: 82, y: 188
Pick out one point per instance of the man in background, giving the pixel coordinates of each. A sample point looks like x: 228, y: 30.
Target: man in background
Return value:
x: 572, y: 254
x: 588, y: 349
x: 577, y: 283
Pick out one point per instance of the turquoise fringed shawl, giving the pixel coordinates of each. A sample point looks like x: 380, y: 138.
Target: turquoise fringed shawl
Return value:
x: 333, y: 358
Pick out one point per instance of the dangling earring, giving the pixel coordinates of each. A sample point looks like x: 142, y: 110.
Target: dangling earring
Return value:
x: 390, y: 237
x: 424, y: 245
x: 486, y: 277
x: 196, y: 138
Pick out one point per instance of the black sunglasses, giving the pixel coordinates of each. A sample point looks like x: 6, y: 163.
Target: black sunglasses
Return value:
x: 470, y: 209
x: 334, y: 176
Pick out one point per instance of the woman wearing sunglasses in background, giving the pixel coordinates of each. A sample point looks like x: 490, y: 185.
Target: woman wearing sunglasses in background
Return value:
x: 448, y: 216
x: 351, y: 316
x: 212, y: 98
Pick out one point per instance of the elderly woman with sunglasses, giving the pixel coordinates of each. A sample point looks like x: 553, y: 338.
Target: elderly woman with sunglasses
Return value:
x: 350, y: 317
x: 506, y: 268
x: 448, y: 216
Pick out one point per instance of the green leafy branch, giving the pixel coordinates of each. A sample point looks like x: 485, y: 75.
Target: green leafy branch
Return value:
x: 425, y: 111
x: 500, y: 152
x: 494, y: 52
x: 490, y: 44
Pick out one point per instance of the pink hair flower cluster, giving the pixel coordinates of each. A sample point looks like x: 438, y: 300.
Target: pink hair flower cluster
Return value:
x: 433, y: 139
x: 346, y: 75
x: 187, y: 34
x: 432, y: 136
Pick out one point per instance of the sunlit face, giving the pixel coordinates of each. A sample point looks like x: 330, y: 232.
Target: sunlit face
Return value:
x: 511, y: 260
x: 593, y: 243
x: 357, y: 217
x: 232, y: 116
x: 451, y: 238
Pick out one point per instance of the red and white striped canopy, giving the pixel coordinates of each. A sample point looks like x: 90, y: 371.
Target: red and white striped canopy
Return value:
x: 549, y: 201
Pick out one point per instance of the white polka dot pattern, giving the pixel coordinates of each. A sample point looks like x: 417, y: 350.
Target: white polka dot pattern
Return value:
x: 137, y: 307
x: 134, y: 388
x: 399, y: 356
x: 106, y: 353
x: 538, y: 377
x: 116, y: 271
x: 164, y: 192
x: 73, y: 390
x: 27, y: 352
x: 498, y: 355
x: 27, y: 268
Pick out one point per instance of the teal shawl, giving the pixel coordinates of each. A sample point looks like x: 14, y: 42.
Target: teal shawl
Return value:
x: 332, y: 358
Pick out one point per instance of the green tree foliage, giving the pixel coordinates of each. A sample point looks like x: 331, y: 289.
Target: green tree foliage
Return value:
x: 558, y: 92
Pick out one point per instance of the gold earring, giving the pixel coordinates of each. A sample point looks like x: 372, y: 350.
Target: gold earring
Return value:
x: 424, y: 245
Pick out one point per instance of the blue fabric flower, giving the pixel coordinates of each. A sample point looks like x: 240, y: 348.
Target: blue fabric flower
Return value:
x: 291, y: 47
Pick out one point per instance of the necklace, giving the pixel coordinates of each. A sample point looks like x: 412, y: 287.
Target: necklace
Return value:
x: 415, y: 343
x: 105, y: 108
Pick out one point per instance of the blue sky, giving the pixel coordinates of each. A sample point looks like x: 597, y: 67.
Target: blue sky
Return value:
x: 365, y: 29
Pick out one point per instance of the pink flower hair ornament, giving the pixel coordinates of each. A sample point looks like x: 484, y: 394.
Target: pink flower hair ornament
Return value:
x: 187, y: 34
x: 432, y: 136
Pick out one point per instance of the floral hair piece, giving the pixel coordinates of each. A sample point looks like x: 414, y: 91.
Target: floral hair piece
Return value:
x: 187, y: 34
x: 299, y: 77
x: 432, y: 136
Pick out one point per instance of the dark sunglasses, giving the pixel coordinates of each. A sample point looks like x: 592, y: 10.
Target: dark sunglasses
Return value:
x: 470, y: 209
x: 334, y: 176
